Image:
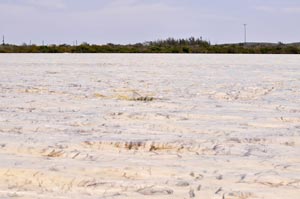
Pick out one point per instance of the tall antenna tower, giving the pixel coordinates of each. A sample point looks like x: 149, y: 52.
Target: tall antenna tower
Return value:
x: 245, y: 33
x: 3, y: 40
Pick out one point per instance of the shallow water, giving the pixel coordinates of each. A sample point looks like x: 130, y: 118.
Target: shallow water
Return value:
x: 215, y: 121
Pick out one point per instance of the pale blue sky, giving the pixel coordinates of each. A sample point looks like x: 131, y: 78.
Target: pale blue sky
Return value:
x: 131, y: 21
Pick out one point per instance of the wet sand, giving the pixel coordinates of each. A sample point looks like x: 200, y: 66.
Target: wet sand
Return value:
x: 149, y: 126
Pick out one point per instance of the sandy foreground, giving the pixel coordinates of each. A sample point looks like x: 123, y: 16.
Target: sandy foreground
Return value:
x: 149, y: 126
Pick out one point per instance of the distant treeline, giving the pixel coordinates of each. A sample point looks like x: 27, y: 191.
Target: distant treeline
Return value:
x: 170, y: 45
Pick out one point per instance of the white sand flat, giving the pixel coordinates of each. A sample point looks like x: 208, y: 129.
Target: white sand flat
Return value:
x: 149, y: 126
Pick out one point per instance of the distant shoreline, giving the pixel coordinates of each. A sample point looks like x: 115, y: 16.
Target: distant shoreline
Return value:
x: 191, y: 45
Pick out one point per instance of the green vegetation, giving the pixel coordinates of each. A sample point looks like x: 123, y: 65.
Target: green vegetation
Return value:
x: 171, y: 45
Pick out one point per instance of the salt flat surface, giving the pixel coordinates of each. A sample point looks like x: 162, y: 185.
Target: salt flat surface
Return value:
x: 149, y: 126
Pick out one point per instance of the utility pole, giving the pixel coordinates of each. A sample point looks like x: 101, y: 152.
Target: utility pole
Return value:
x: 3, y: 40
x: 245, y: 34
